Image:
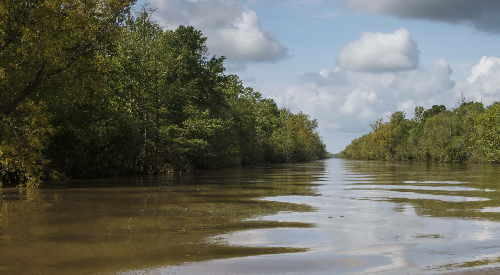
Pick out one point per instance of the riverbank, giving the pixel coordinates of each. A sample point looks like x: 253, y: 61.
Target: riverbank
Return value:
x: 464, y: 134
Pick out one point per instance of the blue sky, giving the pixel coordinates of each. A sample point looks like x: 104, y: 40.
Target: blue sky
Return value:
x: 349, y: 62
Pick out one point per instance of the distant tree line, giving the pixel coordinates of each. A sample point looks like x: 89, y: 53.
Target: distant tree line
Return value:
x: 467, y: 133
x: 89, y: 89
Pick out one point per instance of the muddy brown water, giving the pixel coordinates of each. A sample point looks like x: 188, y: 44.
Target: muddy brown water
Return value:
x: 325, y: 217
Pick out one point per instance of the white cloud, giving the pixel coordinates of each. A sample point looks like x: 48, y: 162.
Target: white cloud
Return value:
x: 347, y: 102
x: 232, y: 29
x: 407, y: 106
x: 484, y: 81
x: 425, y: 83
x: 481, y: 14
x: 313, y: 101
x: 485, y: 67
x: 378, y: 52
x: 362, y: 105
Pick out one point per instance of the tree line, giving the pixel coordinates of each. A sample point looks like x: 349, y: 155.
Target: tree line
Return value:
x: 468, y: 133
x: 90, y: 89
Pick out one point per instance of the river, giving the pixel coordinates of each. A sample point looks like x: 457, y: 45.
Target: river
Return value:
x: 326, y: 217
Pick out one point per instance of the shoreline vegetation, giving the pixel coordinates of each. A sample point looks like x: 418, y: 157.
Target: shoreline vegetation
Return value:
x: 469, y: 133
x: 91, y: 89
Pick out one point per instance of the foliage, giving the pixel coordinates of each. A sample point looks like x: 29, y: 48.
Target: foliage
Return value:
x: 488, y: 127
x: 468, y: 133
x: 40, y: 39
x: 295, y: 139
x: 21, y: 149
x: 88, y: 90
x: 41, y: 44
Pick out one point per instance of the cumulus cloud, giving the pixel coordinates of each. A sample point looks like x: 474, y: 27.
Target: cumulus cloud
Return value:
x: 379, y: 52
x: 407, y: 106
x: 232, y: 29
x: 484, y: 81
x: 347, y: 101
x: 312, y: 101
x: 481, y: 14
x: 486, y: 67
x: 425, y: 83
x: 360, y: 104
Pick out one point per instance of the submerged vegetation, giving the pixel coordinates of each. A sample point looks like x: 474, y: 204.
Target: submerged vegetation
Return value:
x: 89, y: 89
x: 467, y: 133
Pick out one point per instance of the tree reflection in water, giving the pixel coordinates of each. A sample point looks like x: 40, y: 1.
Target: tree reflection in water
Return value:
x: 121, y: 224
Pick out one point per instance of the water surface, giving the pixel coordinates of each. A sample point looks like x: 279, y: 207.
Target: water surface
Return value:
x: 326, y: 217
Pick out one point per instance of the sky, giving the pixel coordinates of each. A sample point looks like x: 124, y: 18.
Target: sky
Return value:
x: 348, y: 63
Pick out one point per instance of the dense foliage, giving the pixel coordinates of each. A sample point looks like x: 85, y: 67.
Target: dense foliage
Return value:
x: 468, y: 133
x: 88, y: 90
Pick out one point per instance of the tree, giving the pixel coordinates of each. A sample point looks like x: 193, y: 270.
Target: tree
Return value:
x: 174, y: 91
x: 21, y: 149
x: 466, y: 141
x: 391, y: 136
x: 40, y: 39
x: 436, y: 109
x: 295, y: 140
x: 137, y: 78
x: 89, y: 90
x: 488, y: 127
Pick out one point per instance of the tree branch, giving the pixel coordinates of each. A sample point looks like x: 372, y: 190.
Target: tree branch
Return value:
x: 26, y: 91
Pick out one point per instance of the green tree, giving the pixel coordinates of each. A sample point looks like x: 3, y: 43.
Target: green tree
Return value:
x: 172, y: 89
x: 40, y: 39
x: 137, y: 78
x: 392, y: 136
x: 435, y: 134
x: 436, y: 109
x: 25, y: 135
x: 89, y: 90
x: 295, y: 139
x: 41, y: 42
x: 488, y: 128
